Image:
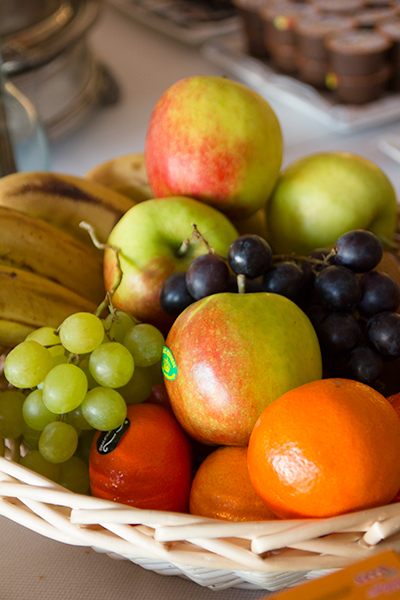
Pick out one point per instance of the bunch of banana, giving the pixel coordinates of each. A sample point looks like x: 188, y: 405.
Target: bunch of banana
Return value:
x: 29, y: 301
x: 65, y: 201
x: 49, y: 266
x: 36, y: 246
x: 125, y: 174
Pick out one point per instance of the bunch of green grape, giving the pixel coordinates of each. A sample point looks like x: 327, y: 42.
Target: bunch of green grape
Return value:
x: 68, y: 383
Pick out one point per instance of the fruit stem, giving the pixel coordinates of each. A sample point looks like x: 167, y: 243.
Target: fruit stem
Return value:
x: 183, y: 247
x: 197, y: 237
x: 241, y: 282
x: 107, y: 302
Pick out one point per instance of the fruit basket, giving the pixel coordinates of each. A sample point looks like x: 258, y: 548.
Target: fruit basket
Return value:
x: 258, y: 555
x: 268, y: 555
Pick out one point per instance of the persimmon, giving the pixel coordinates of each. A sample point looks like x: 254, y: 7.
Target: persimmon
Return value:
x: 146, y: 463
x: 326, y: 448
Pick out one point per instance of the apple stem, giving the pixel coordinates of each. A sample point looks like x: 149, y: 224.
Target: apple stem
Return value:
x: 197, y: 237
x: 183, y: 247
x: 241, y: 282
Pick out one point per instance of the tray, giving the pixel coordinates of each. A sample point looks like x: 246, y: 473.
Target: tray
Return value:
x: 390, y: 146
x: 229, y: 53
x: 185, y: 20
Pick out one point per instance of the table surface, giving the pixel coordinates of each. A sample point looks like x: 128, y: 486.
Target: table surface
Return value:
x: 144, y: 63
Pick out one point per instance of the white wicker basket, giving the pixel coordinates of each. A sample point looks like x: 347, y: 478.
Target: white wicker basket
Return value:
x: 263, y: 555
x: 267, y: 555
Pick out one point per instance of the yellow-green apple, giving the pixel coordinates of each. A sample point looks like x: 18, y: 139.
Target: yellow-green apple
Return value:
x: 228, y: 356
x: 256, y: 224
x: 151, y: 238
x: 215, y: 140
x: 321, y: 196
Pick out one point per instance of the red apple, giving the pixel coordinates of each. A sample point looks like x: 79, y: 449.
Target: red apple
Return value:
x: 215, y: 140
x: 228, y: 356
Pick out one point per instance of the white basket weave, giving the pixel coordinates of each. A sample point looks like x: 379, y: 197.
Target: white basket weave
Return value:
x: 267, y: 555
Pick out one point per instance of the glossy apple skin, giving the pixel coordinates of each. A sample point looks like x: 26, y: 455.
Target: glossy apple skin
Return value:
x: 149, y: 237
x: 321, y: 196
x: 235, y: 354
x: 215, y: 140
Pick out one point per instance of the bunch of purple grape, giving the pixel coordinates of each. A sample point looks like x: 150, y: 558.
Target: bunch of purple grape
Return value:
x: 351, y: 305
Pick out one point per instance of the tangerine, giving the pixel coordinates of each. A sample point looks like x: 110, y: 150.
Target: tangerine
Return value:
x: 394, y: 400
x: 221, y: 488
x: 326, y: 448
x: 145, y: 463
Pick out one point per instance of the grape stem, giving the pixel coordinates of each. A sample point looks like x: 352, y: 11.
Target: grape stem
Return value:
x: 316, y: 261
x: 107, y: 302
x: 241, y: 283
x: 198, y: 237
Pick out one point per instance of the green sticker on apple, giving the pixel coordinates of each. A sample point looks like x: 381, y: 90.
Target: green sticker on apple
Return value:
x: 169, y: 367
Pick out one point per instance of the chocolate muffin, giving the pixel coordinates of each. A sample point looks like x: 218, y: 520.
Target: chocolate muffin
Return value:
x: 391, y: 28
x: 357, y: 52
x: 279, y: 32
x: 252, y: 26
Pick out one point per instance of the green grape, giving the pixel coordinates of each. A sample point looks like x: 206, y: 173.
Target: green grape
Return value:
x: 58, y: 442
x: 58, y: 354
x: 156, y: 373
x: 118, y: 324
x: 104, y: 408
x: 111, y: 365
x: 74, y: 475
x: 84, y: 365
x: 77, y: 420
x: 139, y: 388
x: 35, y: 413
x: 64, y: 388
x: 27, y: 364
x: 11, y: 420
x: 47, y: 336
x: 31, y: 437
x: 145, y: 342
x: 81, y: 333
x: 84, y: 445
x: 34, y: 461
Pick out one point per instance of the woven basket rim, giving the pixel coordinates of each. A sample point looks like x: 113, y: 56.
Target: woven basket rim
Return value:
x: 248, y: 554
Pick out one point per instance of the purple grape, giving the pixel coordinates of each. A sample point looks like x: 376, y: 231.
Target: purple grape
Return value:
x: 174, y: 295
x: 338, y: 288
x: 383, y: 332
x: 379, y: 293
x: 286, y: 278
x: 338, y: 332
x: 358, y: 250
x: 207, y: 274
x: 249, y: 255
x: 363, y: 364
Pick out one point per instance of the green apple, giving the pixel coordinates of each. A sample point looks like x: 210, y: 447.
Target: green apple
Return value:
x: 228, y: 356
x: 321, y: 196
x: 215, y: 140
x: 255, y: 224
x: 150, y: 237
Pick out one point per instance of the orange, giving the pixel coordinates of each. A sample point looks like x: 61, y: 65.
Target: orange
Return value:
x: 147, y: 465
x: 221, y: 488
x: 326, y: 448
x: 394, y: 400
